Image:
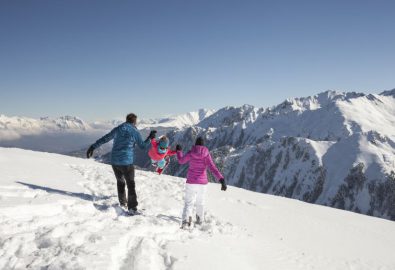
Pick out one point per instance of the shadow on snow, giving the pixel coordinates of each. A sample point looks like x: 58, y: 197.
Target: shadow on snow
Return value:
x: 103, y: 206
x: 79, y: 195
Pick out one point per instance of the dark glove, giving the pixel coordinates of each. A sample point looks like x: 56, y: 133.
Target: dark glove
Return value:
x: 223, y: 184
x: 152, y: 134
x: 89, y: 153
x: 178, y: 147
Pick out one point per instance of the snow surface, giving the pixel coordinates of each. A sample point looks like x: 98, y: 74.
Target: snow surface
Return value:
x: 60, y: 212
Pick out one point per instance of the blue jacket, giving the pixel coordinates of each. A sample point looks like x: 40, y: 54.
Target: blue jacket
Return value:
x: 125, y: 136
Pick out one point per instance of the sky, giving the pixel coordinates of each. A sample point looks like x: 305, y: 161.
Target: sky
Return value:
x: 103, y: 59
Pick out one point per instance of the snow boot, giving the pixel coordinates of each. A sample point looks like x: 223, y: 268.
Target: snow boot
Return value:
x: 134, y: 212
x: 124, y: 205
x: 198, y: 220
x: 186, y: 223
x: 160, y: 170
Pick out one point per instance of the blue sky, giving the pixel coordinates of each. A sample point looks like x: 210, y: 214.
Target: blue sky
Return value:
x: 103, y: 59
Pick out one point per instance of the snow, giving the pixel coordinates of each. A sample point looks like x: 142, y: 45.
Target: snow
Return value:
x: 320, y: 148
x: 176, y: 121
x: 59, y: 212
x: 372, y: 112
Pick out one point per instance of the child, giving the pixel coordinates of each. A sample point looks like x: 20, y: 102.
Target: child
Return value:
x: 160, y: 153
x: 199, y: 159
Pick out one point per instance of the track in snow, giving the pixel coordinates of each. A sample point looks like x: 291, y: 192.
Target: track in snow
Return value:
x: 67, y: 228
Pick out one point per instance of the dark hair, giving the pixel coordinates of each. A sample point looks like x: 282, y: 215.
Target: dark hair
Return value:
x: 131, y: 118
x: 199, y: 141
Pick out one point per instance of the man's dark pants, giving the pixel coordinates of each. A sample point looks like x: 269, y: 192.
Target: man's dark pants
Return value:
x: 126, y: 174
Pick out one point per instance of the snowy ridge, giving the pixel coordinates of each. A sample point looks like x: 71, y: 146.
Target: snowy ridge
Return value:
x: 61, y: 212
x: 334, y: 149
x: 178, y: 121
x: 315, y: 102
x: 388, y: 93
x: 12, y: 128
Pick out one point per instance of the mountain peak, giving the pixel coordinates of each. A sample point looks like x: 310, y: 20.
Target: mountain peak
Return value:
x: 313, y: 102
x: 388, y: 93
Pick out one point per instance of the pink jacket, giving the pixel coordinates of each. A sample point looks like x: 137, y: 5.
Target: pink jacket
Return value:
x: 155, y: 155
x: 199, y: 159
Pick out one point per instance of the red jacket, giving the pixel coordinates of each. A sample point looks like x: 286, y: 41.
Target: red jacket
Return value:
x: 155, y: 155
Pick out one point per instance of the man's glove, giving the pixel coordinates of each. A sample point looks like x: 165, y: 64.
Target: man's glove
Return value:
x: 152, y: 134
x: 178, y: 147
x: 89, y: 153
x: 223, y: 184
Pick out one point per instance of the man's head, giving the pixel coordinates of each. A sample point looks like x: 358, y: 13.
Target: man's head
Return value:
x: 199, y: 141
x: 131, y: 118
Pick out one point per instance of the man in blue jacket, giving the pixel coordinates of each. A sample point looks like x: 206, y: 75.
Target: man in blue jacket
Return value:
x: 125, y: 137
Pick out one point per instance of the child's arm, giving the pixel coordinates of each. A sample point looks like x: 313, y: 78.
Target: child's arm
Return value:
x: 171, y: 153
x: 154, y: 143
x: 183, y: 159
x: 210, y: 164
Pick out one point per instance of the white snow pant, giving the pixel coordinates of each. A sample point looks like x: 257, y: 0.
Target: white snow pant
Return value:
x: 194, y: 192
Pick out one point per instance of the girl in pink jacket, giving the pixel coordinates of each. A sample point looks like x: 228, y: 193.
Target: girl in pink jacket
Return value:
x: 160, y: 153
x: 199, y: 160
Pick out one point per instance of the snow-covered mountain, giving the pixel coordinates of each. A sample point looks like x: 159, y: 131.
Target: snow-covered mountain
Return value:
x: 69, y: 134
x: 177, y: 121
x: 59, y: 135
x: 334, y: 148
x: 60, y: 212
x: 164, y: 123
x: 12, y: 128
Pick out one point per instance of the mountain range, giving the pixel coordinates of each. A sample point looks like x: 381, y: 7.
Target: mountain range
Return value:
x: 70, y: 134
x: 334, y: 148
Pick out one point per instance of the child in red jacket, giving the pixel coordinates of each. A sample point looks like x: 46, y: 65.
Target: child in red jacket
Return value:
x: 160, y: 153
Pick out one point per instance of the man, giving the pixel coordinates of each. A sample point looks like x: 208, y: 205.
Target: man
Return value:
x: 125, y: 136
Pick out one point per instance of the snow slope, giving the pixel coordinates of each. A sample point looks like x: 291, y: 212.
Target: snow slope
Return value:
x: 59, y: 212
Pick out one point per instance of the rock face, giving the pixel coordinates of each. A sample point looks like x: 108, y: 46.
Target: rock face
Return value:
x: 334, y: 149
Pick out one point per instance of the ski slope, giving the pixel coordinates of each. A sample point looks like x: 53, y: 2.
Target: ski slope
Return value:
x: 60, y: 212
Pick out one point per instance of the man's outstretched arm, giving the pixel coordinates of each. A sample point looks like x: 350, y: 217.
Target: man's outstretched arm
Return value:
x: 144, y: 144
x: 106, y: 138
